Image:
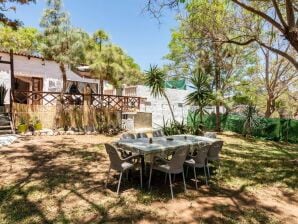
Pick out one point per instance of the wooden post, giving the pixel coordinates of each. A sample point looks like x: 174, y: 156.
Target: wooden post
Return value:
x: 12, y: 71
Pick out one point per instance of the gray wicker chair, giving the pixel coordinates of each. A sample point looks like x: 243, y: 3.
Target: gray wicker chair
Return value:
x: 198, y: 160
x: 120, y: 165
x: 142, y: 135
x: 173, y: 166
x: 158, y: 133
x: 213, y: 154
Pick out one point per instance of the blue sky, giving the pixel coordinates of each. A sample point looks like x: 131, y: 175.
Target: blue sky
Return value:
x: 140, y: 35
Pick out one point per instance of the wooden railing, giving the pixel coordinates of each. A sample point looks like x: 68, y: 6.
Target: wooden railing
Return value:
x: 110, y: 102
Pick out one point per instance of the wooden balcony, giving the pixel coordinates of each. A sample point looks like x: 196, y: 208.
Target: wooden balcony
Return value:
x: 109, y: 102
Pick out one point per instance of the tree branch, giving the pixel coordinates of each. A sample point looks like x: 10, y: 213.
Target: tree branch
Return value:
x: 261, y: 14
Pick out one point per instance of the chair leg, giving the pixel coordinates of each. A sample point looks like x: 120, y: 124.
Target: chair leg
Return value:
x: 195, y: 174
x: 187, y: 171
x: 171, y: 187
x: 119, y: 182
x: 174, y: 178
x: 106, y: 184
x: 150, y: 177
x: 184, y: 180
x: 166, y: 175
x: 207, y: 163
x: 141, y: 176
x: 205, y: 175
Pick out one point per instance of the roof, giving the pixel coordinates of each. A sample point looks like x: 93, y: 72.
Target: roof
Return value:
x: 28, y: 55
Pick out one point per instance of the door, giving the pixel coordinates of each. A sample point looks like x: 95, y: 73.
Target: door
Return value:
x: 37, y: 86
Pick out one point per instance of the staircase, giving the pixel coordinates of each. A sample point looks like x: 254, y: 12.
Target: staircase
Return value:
x: 5, y: 124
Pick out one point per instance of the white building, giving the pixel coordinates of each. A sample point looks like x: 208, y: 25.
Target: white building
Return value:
x: 33, y: 73
x: 159, y: 106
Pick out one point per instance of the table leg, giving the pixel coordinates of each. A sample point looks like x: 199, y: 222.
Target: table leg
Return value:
x: 143, y: 165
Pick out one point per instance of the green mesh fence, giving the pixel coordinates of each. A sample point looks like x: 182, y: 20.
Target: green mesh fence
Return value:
x: 269, y: 128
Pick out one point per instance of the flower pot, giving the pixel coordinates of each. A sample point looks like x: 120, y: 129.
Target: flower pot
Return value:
x: 22, y: 128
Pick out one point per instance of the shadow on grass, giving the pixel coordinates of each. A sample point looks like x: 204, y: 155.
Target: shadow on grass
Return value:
x: 67, y: 173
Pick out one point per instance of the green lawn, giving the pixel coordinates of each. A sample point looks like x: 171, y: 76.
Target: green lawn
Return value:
x: 55, y: 180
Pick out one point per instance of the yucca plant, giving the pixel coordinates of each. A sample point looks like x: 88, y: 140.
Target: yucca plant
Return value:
x: 3, y: 92
x: 252, y: 121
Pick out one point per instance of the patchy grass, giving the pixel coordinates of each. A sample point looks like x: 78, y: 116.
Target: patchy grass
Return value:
x: 61, y: 180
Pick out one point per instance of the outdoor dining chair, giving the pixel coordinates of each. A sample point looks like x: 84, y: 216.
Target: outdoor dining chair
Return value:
x: 120, y: 165
x: 213, y: 154
x: 142, y: 135
x: 158, y: 133
x: 173, y: 166
x: 198, y: 160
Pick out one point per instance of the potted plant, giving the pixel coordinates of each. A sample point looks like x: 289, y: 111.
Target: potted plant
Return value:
x: 3, y: 92
x: 22, y: 127
x: 37, y: 124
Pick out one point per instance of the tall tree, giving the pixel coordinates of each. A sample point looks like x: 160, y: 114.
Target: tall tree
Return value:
x: 282, y: 15
x: 7, y: 5
x: 155, y: 79
x: 194, y: 45
x: 110, y: 63
x: 62, y: 43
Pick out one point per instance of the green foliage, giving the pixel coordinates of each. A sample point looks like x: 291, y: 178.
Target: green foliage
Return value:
x: 251, y: 121
x: 175, y: 128
x: 3, y: 92
x: 112, y: 64
x: 22, y: 40
x: 202, y: 94
x: 155, y: 79
x: 4, y: 8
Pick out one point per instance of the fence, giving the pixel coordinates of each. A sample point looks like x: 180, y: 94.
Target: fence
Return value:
x: 268, y: 128
x: 109, y: 102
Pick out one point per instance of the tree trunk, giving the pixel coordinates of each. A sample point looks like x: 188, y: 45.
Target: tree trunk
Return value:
x: 64, y: 77
x: 270, y: 107
x: 171, y: 109
x: 217, y: 108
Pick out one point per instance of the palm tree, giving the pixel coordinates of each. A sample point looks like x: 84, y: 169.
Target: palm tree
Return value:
x: 202, y: 94
x: 100, y: 36
x: 155, y: 79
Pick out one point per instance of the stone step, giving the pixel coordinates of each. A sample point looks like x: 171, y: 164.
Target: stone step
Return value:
x: 5, y: 127
x: 5, y: 132
x: 4, y: 123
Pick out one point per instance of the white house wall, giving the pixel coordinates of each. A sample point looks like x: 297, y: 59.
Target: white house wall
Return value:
x: 159, y: 106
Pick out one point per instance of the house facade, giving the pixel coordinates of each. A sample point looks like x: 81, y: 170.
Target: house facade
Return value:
x: 35, y: 74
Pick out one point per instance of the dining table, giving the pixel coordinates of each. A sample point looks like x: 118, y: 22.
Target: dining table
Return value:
x: 162, y: 146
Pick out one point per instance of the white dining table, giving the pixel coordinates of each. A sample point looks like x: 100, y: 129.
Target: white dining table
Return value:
x: 163, y: 145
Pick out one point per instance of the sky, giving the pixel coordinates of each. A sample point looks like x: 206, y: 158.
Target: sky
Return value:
x: 140, y: 35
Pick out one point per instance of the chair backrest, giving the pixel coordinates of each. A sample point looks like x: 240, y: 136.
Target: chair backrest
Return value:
x: 210, y: 134
x: 128, y: 136
x: 177, y: 161
x: 201, y: 154
x: 158, y: 133
x: 215, y: 149
x: 142, y: 135
x: 114, y: 157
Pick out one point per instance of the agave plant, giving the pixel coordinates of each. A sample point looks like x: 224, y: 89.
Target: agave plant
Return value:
x: 251, y: 120
x: 3, y: 92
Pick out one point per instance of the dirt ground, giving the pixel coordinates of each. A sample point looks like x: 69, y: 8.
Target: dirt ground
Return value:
x: 60, y: 179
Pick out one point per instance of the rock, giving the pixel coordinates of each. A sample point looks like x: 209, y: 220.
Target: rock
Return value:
x: 70, y: 132
x: 29, y: 133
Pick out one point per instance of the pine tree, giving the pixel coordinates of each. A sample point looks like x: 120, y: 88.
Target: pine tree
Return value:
x: 62, y: 43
